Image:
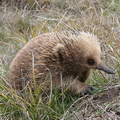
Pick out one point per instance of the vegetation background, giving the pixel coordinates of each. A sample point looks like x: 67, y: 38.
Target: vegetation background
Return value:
x: 22, y: 20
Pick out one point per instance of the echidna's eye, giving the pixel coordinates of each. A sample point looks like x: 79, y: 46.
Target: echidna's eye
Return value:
x: 91, y: 62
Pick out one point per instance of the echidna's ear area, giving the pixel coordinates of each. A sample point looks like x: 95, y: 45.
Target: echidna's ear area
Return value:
x: 58, y: 51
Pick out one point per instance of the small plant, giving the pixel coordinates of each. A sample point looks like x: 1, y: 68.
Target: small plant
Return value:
x: 33, y: 103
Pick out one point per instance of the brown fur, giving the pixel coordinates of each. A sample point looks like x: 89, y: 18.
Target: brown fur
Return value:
x: 61, y: 57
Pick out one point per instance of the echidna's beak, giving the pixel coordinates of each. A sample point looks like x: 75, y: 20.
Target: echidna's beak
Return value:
x: 103, y: 67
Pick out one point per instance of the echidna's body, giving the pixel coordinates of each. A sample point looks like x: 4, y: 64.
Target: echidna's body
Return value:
x: 66, y: 58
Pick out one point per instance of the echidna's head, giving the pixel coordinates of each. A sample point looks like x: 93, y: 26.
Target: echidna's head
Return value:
x: 78, y: 53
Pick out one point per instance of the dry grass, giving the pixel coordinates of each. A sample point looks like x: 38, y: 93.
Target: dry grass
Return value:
x: 23, y: 20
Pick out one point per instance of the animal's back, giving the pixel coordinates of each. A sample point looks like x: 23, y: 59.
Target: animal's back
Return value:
x: 31, y: 58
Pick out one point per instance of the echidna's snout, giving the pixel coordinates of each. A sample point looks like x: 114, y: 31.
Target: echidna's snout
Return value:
x: 103, y: 67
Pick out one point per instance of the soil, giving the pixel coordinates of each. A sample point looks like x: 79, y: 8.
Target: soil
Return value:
x: 103, y: 106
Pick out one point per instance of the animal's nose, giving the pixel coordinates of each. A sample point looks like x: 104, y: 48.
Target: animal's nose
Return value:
x: 103, y: 67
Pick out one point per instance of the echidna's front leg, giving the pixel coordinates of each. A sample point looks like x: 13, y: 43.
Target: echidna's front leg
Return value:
x: 77, y: 87
x: 85, y: 75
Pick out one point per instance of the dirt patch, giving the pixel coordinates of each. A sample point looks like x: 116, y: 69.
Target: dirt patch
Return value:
x: 103, y: 106
x: 107, y: 95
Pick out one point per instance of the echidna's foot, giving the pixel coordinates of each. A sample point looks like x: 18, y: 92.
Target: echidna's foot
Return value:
x: 87, y: 90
